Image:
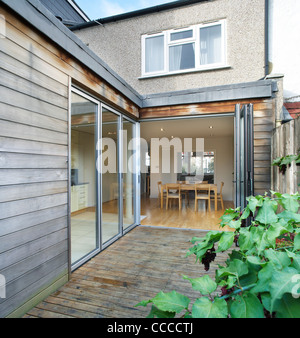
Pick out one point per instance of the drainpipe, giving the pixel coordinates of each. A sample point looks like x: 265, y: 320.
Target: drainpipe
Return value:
x: 267, y: 12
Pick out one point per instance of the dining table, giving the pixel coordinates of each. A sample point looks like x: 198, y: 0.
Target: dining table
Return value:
x: 191, y: 187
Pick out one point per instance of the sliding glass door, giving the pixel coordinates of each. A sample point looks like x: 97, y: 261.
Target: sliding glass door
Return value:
x: 103, y: 175
x: 84, y: 227
x: 128, y: 177
x: 110, y: 175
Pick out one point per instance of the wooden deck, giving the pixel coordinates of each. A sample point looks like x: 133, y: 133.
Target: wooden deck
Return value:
x: 135, y: 268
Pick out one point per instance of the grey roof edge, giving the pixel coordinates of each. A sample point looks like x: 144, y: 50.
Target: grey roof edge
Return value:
x: 139, y: 12
x: 42, y: 19
x: 237, y: 91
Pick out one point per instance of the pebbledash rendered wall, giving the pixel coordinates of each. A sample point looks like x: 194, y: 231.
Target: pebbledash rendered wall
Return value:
x: 119, y: 44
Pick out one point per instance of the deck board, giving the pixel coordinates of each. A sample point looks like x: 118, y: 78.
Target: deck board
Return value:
x: 135, y: 268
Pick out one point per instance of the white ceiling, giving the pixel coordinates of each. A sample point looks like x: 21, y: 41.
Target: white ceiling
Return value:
x: 189, y: 128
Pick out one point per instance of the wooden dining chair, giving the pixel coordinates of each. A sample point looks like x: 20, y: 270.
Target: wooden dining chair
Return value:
x: 159, y: 183
x: 219, y: 196
x: 202, y: 192
x: 173, y: 191
x: 185, y: 193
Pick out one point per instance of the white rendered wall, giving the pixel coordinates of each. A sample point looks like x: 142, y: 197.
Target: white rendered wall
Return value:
x: 284, y: 44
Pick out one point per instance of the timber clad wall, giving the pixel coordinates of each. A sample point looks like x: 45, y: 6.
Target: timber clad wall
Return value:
x: 34, y: 82
x: 33, y: 167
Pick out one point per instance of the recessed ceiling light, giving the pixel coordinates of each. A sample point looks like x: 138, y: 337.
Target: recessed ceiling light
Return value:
x: 210, y: 127
x: 162, y: 129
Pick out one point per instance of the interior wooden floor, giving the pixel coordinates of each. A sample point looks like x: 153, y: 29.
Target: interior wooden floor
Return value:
x: 186, y: 218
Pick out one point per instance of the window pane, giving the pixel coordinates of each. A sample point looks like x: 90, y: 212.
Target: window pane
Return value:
x: 209, y: 166
x: 154, y: 54
x: 181, y: 35
x: 128, y: 175
x: 182, y: 57
x: 211, y: 45
x: 110, y: 180
x: 84, y: 229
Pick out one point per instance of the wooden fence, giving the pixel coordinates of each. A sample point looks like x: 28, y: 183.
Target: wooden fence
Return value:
x: 286, y: 141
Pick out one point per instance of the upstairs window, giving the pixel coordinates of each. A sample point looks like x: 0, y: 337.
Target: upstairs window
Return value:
x: 194, y: 48
x: 154, y: 57
x: 181, y: 50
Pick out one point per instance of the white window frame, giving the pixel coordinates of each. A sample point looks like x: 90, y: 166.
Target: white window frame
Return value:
x: 194, y: 39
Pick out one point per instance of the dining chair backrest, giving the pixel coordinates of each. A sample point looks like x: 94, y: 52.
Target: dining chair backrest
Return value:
x: 158, y: 186
x: 202, y: 187
x: 222, y: 184
x: 173, y: 186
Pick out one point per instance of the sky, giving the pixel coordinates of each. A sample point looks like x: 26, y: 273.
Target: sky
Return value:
x: 96, y: 9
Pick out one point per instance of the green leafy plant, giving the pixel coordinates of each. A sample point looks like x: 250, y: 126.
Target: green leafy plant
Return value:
x: 284, y: 161
x: 260, y: 278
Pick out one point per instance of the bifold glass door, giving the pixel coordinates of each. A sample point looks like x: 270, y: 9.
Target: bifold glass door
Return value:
x: 244, y: 152
x: 103, y: 175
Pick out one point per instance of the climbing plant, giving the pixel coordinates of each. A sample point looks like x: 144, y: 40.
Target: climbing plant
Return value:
x: 261, y: 276
x: 284, y: 161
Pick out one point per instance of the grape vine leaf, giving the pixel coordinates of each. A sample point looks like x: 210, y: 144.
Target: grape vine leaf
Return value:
x: 235, y: 268
x: 289, y: 216
x: 275, y: 230
x: 205, y: 308
x: 279, y: 259
x: 155, y: 312
x: 287, y: 307
x: 245, y: 239
x: 264, y: 277
x: 254, y: 202
x: 205, y: 285
x: 290, y: 202
x: 297, y: 242
x: 267, y: 212
x: 246, y: 305
x: 171, y: 301
x: 226, y: 241
x: 282, y: 282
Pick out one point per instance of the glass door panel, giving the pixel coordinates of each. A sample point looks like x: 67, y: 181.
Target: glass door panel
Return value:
x: 129, y: 170
x: 84, y: 230
x: 110, y: 175
x: 243, y: 154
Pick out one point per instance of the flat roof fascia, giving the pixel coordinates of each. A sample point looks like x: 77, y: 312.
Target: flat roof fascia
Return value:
x: 43, y: 20
x: 239, y: 91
